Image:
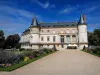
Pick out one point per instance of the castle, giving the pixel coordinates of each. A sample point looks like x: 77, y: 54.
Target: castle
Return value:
x: 62, y: 35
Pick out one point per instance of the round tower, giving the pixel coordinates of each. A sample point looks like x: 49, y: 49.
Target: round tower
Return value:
x: 82, y: 32
x: 34, y: 34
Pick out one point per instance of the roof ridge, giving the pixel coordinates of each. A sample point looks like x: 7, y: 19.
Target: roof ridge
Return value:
x: 58, y: 22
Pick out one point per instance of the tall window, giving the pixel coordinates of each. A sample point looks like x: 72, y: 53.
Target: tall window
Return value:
x: 54, y: 38
x: 41, y: 30
x: 62, y: 39
x: 41, y: 38
x: 47, y: 30
x: 73, y: 38
x: 68, y: 38
x: 48, y: 38
x: 48, y: 45
x: 62, y: 46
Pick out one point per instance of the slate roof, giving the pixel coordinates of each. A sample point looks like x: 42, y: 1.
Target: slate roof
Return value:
x: 58, y: 24
x: 26, y: 31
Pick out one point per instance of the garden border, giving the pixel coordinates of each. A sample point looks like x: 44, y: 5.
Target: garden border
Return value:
x: 23, y: 63
x: 91, y: 53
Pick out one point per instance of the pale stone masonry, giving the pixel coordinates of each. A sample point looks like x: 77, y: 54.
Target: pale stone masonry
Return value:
x: 59, y: 34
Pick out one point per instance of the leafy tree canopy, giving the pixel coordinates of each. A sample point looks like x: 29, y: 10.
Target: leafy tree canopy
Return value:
x: 94, y: 37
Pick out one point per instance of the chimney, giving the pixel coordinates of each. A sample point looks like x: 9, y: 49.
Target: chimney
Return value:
x: 84, y: 18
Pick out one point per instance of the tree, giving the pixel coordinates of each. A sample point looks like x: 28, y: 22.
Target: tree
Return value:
x: 18, y: 46
x: 12, y: 41
x: 97, y: 37
x: 90, y: 38
x: 2, y: 39
x: 94, y: 37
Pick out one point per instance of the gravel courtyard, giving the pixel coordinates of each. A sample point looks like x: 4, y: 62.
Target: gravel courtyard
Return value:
x: 66, y: 62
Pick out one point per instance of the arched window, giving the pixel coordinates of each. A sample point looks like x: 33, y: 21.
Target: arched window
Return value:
x: 73, y: 38
x: 62, y: 39
x: 68, y: 38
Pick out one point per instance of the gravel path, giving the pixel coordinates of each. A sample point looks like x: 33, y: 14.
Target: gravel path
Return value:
x: 66, y: 62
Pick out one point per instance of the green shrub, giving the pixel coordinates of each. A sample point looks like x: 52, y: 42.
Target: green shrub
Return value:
x: 9, y: 57
x: 29, y: 49
x: 41, y: 51
x: 84, y: 48
x: 21, y: 49
x: 36, y: 53
x: 54, y: 48
x: 32, y: 55
x: 97, y: 49
x: 46, y: 50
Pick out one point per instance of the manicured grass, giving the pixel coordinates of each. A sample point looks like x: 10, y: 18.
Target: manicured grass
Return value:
x: 22, y: 63
x: 91, y: 53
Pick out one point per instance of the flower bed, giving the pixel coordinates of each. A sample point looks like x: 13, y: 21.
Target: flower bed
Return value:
x: 26, y: 59
x: 94, y: 51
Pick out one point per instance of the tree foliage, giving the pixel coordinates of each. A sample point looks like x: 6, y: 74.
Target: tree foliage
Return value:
x: 12, y: 41
x: 2, y: 39
x: 94, y: 37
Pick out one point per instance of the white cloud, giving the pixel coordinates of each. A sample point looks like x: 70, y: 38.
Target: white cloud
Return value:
x: 93, y: 8
x: 46, y: 4
x: 19, y: 14
x: 10, y: 29
x: 67, y: 10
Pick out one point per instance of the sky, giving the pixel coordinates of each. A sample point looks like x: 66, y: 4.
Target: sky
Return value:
x: 16, y: 15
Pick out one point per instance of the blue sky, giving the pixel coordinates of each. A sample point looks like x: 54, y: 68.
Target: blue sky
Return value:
x: 16, y: 15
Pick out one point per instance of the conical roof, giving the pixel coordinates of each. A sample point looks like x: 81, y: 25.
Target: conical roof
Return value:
x: 34, y: 22
x: 81, y: 21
